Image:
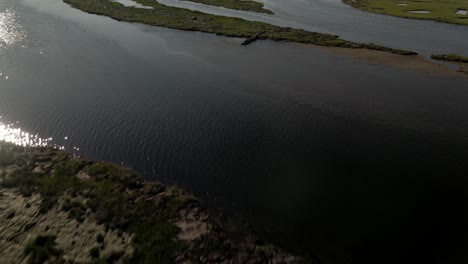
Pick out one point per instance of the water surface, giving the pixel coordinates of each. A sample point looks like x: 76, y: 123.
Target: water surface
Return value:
x: 326, y: 155
x: 133, y: 4
x: 419, y: 11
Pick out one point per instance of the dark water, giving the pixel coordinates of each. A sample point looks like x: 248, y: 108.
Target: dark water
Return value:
x: 350, y: 161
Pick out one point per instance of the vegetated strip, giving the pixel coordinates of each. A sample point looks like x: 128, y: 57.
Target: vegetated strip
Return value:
x: 437, y: 10
x: 184, y: 19
x: 450, y: 57
x: 113, y: 194
x: 245, y: 5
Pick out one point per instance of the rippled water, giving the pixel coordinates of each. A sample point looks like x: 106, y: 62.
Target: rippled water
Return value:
x: 13, y: 134
x: 11, y: 32
x: 318, y: 152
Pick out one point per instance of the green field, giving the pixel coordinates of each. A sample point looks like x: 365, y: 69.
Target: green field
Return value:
x: 438, y: 10
x: 245, y: 5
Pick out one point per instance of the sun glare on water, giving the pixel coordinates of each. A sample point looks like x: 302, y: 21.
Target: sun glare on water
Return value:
x: 12, y: 134
x: 11, y: 31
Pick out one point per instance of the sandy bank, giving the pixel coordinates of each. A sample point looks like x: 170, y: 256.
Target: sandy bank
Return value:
x: 412, y: 63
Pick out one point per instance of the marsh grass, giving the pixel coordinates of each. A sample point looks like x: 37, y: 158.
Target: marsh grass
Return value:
x: 439, y: 10
x: 450, y: 57
x: 109, y: 196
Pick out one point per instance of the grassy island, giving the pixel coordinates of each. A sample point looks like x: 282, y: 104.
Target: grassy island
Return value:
x: 450, y: 57
x: 448, y: 11
x: 184, y: 19
x: 245, y: 5
x: 57, y: 208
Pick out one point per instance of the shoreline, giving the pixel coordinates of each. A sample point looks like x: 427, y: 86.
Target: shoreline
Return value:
x: 414, y: 63
x: 59, y: 207
x: 409, y: 12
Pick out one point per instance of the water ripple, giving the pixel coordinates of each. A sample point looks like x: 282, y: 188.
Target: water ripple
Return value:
x: 11, y: 32
x: 12, y: 133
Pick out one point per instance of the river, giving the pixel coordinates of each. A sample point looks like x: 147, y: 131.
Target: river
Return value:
x: 329, y: 156
x: 334, y: 17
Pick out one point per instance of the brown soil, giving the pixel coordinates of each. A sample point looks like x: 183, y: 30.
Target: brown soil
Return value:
x: 412, y: 63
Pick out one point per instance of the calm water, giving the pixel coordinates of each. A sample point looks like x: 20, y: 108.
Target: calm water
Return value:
x: 334, y: 17
x: 326, y: 155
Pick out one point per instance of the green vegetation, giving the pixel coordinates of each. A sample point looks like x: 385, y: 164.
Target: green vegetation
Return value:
x: 109, y: 196
x: 449, y: 11
x: 184, y: 19
x: 152, y: 223
x: 246, y: 5
x: 450, y: 57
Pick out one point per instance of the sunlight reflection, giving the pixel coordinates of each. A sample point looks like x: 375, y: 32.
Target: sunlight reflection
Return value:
x: 12, y: 134
x: 11, y: 31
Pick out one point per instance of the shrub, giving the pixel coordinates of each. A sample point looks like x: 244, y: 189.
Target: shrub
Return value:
x: 42, y: 249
